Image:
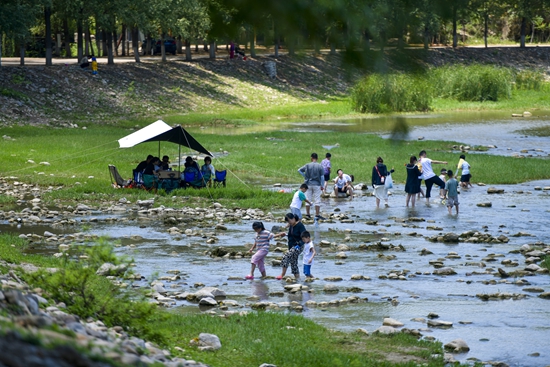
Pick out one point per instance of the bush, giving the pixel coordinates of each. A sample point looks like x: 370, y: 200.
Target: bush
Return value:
x: 89, y: 295
x: 529, y: 79
x: 391, y: 93
x: 472, y: 83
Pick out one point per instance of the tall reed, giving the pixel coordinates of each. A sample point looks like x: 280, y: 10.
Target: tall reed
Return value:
x: 472, y: 82
x: 378, y: 93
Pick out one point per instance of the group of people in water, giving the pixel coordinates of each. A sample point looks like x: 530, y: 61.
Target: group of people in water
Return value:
x: 192, y: 174
x: 316, y: 176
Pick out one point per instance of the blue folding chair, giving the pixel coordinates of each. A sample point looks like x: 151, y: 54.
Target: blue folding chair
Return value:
x: 219, y: 180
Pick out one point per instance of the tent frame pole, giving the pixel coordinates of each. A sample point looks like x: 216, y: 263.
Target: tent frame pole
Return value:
x: 159, y: 149
x: 179, y: 158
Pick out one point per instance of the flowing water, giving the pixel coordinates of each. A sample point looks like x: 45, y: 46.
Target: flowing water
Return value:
x: 513, y: 331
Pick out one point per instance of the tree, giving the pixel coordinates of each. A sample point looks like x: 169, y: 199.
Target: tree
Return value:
x: 16, y: 19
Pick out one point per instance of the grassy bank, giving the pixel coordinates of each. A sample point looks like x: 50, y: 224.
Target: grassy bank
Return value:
x: 247, y: 339
x: 77, y: 161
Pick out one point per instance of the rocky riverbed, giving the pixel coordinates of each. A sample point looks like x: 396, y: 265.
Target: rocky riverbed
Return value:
x: 442, y: 277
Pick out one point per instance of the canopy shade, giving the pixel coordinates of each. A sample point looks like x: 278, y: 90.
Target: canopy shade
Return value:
x: 160, y: 131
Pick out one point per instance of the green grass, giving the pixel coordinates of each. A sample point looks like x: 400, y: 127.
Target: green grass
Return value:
x: 331, y: 108
x: 290, y: 340
x: 254, y: 159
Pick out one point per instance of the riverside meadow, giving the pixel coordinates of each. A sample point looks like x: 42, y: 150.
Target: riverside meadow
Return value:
x: 72, y: 163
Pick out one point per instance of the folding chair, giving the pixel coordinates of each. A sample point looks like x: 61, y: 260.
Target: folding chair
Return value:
x: 219, y: 180
x: 117, y: 180
x: 190, y: 179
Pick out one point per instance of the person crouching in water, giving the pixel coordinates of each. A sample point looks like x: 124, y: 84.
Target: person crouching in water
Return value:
x: 261, y: 243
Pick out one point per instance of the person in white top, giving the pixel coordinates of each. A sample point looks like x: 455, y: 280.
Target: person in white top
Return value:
x: 428, y: 175
x: 309, y: 254
x: 343, y: 183
x: 466, y: 176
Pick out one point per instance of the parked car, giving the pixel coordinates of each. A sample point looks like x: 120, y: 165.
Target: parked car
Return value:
x: 169, y: 46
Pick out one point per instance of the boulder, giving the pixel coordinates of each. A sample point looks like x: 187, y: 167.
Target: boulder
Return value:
x: 388, y: 321
x: 209, y: 342
x: 486, y: 204
x: 330, y: 288
x: 208, y: 301
x: 457, y: 346
x: 439, y: 323
x: 444, y: 271
x: 494, y: 190
x: 450, y: 237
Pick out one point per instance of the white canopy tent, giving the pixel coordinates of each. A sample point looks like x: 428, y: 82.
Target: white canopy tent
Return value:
x: 149, y: 131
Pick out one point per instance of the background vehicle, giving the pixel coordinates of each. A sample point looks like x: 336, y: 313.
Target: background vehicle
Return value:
x: 169, y: 46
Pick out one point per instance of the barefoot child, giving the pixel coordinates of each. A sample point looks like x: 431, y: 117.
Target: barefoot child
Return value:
x: 452, y: 192
x: 309, y: 254
x: 261, y: 243
x: 465, y: 167
x: 299, y: 197
x: 443, y: 178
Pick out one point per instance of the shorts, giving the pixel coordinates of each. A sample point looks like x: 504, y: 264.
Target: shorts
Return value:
x: 452, y: 201
x: 342, y: 189
x: 327, y: 177
x: 297, y: 212
x: 313, y: 194
x: 465, y: 178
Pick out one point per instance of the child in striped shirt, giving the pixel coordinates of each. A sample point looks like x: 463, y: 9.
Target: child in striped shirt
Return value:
x: 261, y: 244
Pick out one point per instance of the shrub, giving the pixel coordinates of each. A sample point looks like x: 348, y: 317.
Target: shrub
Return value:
x: 472, y: 82
x: 89, y: 295
x: 529, y: 79
x: 391, y: 93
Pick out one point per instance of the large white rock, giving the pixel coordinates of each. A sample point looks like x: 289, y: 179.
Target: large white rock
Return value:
x: 209, y: 342
x: 457, y: 346
x: 388, y: 321
x: 208, y: 301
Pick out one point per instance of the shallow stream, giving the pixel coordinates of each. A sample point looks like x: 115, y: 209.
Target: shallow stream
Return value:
x: 513, y: 331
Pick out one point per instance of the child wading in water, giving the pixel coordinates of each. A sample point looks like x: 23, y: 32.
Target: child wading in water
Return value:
x: 297, y: 199
x: 309, y: 254
x: 261, y: 243
x: 452, y: 192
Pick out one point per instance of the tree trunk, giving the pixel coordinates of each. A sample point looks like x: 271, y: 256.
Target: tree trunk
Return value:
x: 79, y: 29
x: 426, y: 38
x: 213, y: 50
x: 48, y: 21
x: 58, y: 45
x: 67, y: 35
x: 104, y: 50
x: 114, y: 43
x: 366, y: 40
x: 187, y: 50
x: 463, y: 33
x: 162, y: 48
x: 253, y: 42
x: 0, y: 50
x: 522, y: 37
x: 90, y: 43
x: 87, y: 42
x: 109, y: 48
x: 291, y: 46
x: 532, y: 32
x: 22, y: 54
x: 455, y: 35
x: 179, y: 45
x: 486, y: 29
x: 98, y: 41
x: 276, y: 40
x: 135, y: 44
x: 123, y: 40
x: 332, y: 48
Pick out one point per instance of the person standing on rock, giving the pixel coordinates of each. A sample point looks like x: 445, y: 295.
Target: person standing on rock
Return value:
x: 428, y: 175
x: 295, y: 245
x: 261, y: 243
x: 314, y: 175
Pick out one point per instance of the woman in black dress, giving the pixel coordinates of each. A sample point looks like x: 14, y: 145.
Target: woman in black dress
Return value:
x: 412, y: 186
